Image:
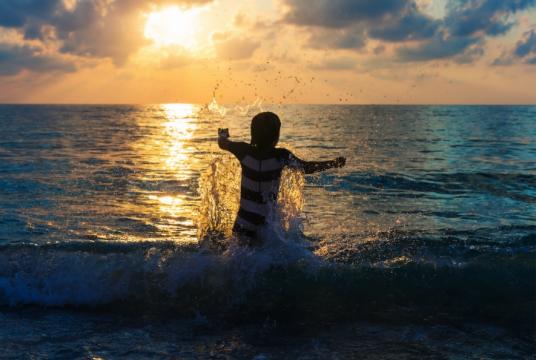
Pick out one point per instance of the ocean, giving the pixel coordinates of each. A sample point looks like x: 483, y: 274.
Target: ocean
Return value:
x: 114, y: 225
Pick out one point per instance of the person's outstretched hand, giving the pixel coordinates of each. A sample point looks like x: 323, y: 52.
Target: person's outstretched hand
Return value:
x: 340, y: 162
x: 223, y: 133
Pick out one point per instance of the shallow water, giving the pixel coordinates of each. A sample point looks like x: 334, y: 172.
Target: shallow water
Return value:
x: 430, y: 230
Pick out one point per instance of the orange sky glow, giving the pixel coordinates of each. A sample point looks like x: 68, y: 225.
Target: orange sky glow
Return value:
x: 280, y: 51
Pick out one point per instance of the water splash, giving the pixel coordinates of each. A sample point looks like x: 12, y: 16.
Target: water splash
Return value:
x: 242, y: 110
x: 219, y: 190
x: 216, y: 108
x: 290, y: 199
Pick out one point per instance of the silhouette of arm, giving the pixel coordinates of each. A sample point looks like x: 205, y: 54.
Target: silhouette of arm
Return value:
x: 237, y: 148
x: 223, y: 139
x: 225, y: 144
x: 311, y: 167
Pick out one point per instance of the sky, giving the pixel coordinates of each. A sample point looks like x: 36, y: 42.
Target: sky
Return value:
x: 269, y: 51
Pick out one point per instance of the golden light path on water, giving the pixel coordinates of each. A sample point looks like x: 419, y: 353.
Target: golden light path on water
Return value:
x: 168, y: 159
x: 178, y: 129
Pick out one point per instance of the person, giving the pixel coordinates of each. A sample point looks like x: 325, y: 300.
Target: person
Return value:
x: 262, y: 163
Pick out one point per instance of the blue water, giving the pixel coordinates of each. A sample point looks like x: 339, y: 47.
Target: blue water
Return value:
x: 422, y: 246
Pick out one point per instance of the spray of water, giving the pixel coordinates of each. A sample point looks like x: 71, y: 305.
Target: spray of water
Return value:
x: 219, y: 190
x: 290, y: 199
x: 215, y: 108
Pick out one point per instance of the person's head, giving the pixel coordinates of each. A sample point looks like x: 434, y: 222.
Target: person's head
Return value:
x: 265, y: 128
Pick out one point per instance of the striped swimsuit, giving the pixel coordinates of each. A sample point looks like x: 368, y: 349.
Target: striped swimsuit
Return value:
x: 261, y: 172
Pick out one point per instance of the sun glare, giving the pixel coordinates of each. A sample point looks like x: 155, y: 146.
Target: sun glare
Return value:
x: 171, y: 26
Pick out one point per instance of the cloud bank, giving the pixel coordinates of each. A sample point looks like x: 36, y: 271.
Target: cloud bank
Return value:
x: 460, y: 34
x: 523, y: 51
x: 66, y: 35
x: 14, y: 59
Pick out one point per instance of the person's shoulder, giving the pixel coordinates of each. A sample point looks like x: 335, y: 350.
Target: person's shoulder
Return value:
x: 283, y: 153
x: 239, y: 148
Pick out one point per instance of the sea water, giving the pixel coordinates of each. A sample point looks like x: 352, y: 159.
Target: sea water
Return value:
x: 422, y: 246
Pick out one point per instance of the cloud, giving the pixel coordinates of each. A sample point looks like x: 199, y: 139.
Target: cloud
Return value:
x: 379, y: 49
x: 490, y: 17
x: 527, y: 46
x: 350, y: 38
x: 87, y: 28
x: 460, y: 34
x: 439, y: 48
x: 349, y: 24
x: 338, y: 13
x: 471, y: 53
x: 464, y: 29
x: 388, y: 20
x: 14, y: 59
x: 233, y: 47
x: 16, y: 13
x: 95, y: 30
x: 503, y: 60
x: 173, y: 57
x: 525, y: 50
x: 410, y: 25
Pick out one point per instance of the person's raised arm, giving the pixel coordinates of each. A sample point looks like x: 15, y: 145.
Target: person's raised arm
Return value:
x: 237, y: 148
x: 223, y: 139
x: 310, y: 167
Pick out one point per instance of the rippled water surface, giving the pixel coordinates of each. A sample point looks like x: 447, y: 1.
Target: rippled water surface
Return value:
x: 428, y: 233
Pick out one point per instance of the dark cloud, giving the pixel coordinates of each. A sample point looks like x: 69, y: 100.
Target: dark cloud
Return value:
x: 459, y: 35
x: 17, y: 13
x: 338, y: 13
x: 388, y: 20
x: 92, y: 28
x: 438, y: 48
x: 351, y: 38
x: 491, y: 17
x: 464, y: 29
x: 525, y: 50
x: 14, y: 59
x: 348, y: 24
x: 503, y: 60
x: 470, y: 54
x: 527, y: 46
x: 408, y: 25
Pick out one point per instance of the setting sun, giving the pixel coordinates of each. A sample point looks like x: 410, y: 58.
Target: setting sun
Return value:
x: 171, y: 26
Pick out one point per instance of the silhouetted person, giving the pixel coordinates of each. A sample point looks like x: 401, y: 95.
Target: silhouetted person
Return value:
x: 262, y: 164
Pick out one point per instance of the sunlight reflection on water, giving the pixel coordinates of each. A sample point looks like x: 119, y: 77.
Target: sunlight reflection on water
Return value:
x: 179, y: 128
x: 133, y: 172
x: 172, y: 153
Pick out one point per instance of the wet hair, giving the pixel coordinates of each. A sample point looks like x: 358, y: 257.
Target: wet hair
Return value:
x: 265, y: 128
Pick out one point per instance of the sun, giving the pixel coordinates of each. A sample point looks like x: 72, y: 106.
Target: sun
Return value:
x: 172, y: 26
